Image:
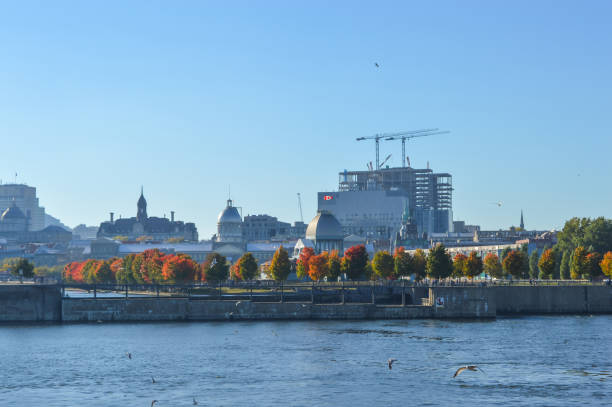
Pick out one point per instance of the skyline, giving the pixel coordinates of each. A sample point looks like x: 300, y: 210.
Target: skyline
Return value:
x: 96, y: 101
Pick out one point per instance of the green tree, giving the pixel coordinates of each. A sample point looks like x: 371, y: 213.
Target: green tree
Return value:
x: 579, y: 265
x: 524, y: 251
x: 383, y: 265
x: 547, y: 264
x: 354, y: 262
x: 280, y: 267
x: 492, y: 266
x: 248, y: 266
x: 22, y: 268
x: 215, y: 267
x: 564, y: 269
x: 419, y: 264
x: 505, y: 253
x: 513, y: 264
x: 439, y: 262
x: 403, y: 266
x: 534, y: 272
x: 593, y: 268
x: 473, y: 265
x: 334, y: 265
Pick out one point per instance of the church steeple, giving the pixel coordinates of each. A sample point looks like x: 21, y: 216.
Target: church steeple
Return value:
x: 522, y: 223
x: 141, y: 215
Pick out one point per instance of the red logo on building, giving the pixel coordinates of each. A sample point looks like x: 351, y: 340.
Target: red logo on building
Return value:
x: 328, y: 198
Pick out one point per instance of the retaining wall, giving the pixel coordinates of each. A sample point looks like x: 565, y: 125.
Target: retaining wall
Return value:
x: 29, y: 303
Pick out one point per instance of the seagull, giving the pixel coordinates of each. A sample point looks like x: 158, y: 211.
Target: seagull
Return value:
x: 195, y: 403
x: 390, y: 363
x: 471, y: 367
x: 129, y: 355
x: 376, y: 64
x: 153, y: 403
x: 498, y: 203
x: 153, y: 379
x: 238, y: 303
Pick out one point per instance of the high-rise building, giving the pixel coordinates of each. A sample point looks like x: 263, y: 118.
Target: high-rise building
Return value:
x: 371, y: 203
x: 24, y: 197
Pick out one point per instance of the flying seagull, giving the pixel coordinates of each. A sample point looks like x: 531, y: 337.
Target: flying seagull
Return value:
x: 153, y: 403
x: 153, y: 379
x: 498, y: 203
x: 390, y: 363
x: 376, y: 64
x: 471, y: 367
x: 195, y: 403
x: 129, y: 355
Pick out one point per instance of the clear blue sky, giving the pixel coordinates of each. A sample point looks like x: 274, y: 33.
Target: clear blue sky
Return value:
x: 186, y: 98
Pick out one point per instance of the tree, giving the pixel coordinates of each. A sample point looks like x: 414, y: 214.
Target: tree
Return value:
x: 547, y: 264
x: 513, y: 264
x: 439, y: 262
x: 248, y: 266
x: 354, y: 262
x: 606, y: 264
x: 215, y: 268
x: 402, y: 260
x: 22, y: 268
x: 579, y: 265
x: 459, y: 265
x: 419, y: 264
x: 280, y: 267
x: 318, y: 267
x: 533, y: 264
x: 492, y: 266
x: 505, y: 253
x: 334, y: 265
x: 473, y: 265
x: 524, y: 251
x: 564, y: 269
x: 383, y: 265
x: 302, y: 263
x: 593, y: 269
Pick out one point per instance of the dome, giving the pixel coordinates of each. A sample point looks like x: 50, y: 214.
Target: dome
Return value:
x: 13, y: 212
x: 324, y: 226
x: 229, y: 214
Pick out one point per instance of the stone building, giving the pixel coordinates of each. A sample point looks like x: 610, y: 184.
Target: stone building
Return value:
x: 24, y: 197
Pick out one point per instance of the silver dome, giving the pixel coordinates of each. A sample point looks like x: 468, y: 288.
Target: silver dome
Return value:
x: 324, y: 226
x: 229, y: 215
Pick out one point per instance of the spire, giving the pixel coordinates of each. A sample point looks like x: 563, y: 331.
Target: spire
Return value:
x: 141, y: 213
x: 522, y: 223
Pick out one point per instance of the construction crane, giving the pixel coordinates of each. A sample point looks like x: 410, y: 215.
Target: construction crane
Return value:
x: 403, y: 137
x: 388, y: 136
x: 300, y: 207
x: 384, y: 161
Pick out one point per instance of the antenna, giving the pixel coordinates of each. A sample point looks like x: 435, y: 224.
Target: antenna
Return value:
x: 300, y: 206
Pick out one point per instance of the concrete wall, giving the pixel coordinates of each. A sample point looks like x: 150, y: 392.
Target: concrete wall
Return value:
x: 463, y: 302
x: 553, y: 299
x: 29, y: 303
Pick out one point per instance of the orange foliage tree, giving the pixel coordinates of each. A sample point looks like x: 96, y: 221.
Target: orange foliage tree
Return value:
x: 318, y: 267
x: 606, y: 264
x: 459, y: 264
x: 302, y: 269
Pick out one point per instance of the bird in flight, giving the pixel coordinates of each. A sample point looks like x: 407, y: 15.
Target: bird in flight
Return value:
x: 153, y: 403
x: 471, y: 367
x: 195, y: 403
x: 498, y: 203
x: 153, y: 380
x: 376, y: 64
x: 390, y: 363
x: 129, y: 355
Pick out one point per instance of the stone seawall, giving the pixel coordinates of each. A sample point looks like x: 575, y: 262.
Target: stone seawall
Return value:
x: 30, y: 303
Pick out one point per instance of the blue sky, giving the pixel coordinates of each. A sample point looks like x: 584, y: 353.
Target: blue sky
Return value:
x: 187, y: 98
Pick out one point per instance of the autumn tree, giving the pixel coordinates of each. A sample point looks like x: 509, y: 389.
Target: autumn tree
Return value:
x: 593, y: 269
x: 318, y: 267
x: 473, y: 265
x: 546, y: 264
x: 513, y: 264
x: 579, y: 265
x: 302, y: 263
x: 492, y: 266
x: 606, y: 264
x: 564, y: 268
x: 334, y: 265
x: 383, y: 265
x: 280, y: 267
x: 419, y: 264
x: 459, y: 265
x: 439, y: 262
x: 533, y: 265
x: 354, y: 262
x: 215, y: 268
x: 402, y: 260
x: 248, y: 267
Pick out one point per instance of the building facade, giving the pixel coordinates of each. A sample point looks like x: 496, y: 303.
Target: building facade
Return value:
x: 24, y: 197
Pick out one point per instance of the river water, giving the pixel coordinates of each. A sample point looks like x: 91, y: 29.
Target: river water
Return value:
x: 548, y: 361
